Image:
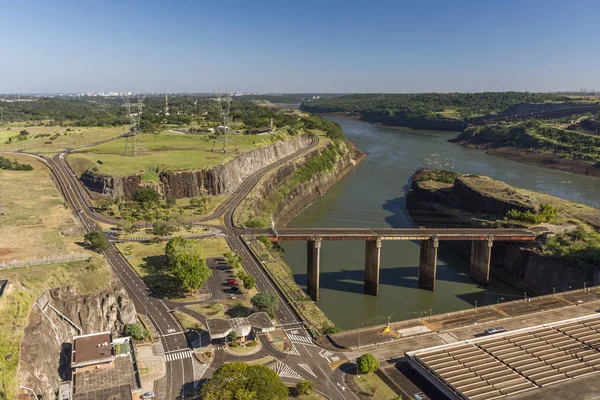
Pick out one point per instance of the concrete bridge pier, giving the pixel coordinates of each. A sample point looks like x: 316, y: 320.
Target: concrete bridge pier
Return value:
x: 481, y: 253
x: 428, y: 263
x: 372, y: 264
x: 313, y: 267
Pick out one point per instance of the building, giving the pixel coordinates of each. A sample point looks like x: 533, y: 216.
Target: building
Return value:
x: 103, y: 367
x: 219, y: 328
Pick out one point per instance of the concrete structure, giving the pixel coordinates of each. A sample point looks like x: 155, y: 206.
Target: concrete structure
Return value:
x: 219, y: 328
x: 511, y: 363
x: 481, y: 246
x: 103, y: 368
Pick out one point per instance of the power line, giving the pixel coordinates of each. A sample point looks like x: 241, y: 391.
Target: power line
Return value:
x: 133, y: 145
x: 223, y: 133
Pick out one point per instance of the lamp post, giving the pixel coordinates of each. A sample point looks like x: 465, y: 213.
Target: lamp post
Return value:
x: 553, y: 290
x: 476, y: 304
x: 525, y: 293
x: 499, y: 300
x: 430, y: 313
x: 584, y: 285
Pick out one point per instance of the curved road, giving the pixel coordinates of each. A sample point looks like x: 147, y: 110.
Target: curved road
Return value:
x: 309, y: 361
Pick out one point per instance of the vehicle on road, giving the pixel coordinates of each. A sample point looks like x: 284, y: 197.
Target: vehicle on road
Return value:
x: 491, y: 331
x: 148, y: 395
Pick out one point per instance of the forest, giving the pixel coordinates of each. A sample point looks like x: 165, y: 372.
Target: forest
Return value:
x: 453, y: 106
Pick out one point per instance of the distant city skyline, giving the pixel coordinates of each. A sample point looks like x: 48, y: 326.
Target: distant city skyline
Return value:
x: 65, y: 46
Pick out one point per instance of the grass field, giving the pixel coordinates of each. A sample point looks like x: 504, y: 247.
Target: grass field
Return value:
x: 25, y: 285
x: 70, y: 137
x: 374, y: 387
x: 149, y: 262
x: 35, y: 221
x: 164, y: 151
x: 187, y: 321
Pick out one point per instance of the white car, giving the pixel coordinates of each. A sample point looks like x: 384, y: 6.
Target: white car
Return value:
x: 148, y: 395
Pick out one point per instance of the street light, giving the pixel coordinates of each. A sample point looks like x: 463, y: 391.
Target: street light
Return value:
x: 553, y: 290
x: 525, y: 293
x: 476, y: 304
x: 430, y: 313
x: 584, y: 285
x: 499, y: 300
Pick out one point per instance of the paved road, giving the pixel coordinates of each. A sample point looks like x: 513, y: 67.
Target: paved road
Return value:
x: 309, y: 361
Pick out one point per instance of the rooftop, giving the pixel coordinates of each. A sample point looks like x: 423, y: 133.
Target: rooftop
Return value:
x: 515, y: 362
x: 219, y: 328
x: 101, y: 383
x: 94, y: 347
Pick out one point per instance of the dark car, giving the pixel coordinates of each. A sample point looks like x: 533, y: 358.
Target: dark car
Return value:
x: 491, y: 331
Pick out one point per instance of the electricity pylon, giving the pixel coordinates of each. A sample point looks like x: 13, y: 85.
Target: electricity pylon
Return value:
x: 223, y: 133
x: 133, y: 145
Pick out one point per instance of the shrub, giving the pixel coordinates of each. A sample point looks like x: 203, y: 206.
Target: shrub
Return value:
x: 146, y: 195
x: 96, y: 241
x: 440, y: 176
x: 329, y: 328
x: 135, y: 331
x: 367, y: 363
x: 304, y: 387
x: 547, y: 213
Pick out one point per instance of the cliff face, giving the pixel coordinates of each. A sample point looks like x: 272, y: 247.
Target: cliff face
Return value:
x: 219, y: 180
x: 46, y: 346
x: 300, y: 196
x: 401, y: 119
x: 465, y: 203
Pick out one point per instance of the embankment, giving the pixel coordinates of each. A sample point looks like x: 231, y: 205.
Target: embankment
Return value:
x: 556, y: 261
x: 46, y: 346
x: 216, y: 181
x: 284, y: 193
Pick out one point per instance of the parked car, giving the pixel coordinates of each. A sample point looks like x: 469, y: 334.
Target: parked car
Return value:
x: 491, y: 331
x: 148, y: 395
x: 232, y: 282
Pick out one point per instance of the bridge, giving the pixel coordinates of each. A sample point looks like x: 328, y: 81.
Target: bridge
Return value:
x: 481, y: 249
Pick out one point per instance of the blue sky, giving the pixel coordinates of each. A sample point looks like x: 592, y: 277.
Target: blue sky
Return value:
x: 299, y: 46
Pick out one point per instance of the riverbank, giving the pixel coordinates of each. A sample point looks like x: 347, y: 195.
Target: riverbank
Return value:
x: 565, y: 254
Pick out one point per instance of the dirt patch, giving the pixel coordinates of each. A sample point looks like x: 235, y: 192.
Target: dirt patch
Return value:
x: 6, y: 251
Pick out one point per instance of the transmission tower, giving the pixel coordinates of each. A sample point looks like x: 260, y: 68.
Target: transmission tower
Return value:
x: 223, y: 133
x: 134, y: 145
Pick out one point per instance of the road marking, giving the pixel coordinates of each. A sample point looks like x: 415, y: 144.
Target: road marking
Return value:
x: 299, y: 338
x: 285, y: 371
x: 178, y: 355
x: 307, y: 368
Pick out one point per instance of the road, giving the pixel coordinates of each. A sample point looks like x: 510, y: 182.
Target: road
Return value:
x: 308, y: 360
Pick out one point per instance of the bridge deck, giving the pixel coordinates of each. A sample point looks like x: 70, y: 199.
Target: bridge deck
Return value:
x: 286, y: 234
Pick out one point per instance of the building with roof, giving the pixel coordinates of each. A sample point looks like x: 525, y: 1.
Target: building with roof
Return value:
x: 219, y: 328
x: 103, y: 367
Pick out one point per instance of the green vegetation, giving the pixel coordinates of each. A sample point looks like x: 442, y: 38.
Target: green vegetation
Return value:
x: 547, y: 213
x: 236, y: 381
x: 284, y: 279
x: 536, y: 136
x: 367, y: 363
x: 427, y: 105
x: 266, y: 302
x: 186, y: 262
x: 5, y: 163
x: 440, y: 176
x: 95, y: 241
x: 372, y: 386
x: 135, y: 330
x: 160, y: 229
x: 304, y: 387
x: 580, y: 247
x: 25, y: 285
x: 146, y: 195
x: 187, y: 321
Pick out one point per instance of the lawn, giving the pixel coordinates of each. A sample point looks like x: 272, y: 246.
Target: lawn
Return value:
x: 35, y: 222
x: 187, y: 321
x: 25, y: 285
x: 164, y: 151
x: 149, y: 262
x: 374, y: 387
x: 67, y: 137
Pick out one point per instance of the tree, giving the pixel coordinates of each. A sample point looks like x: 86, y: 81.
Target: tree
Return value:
x: 266, y: 302
x: 135, y: 331
x: 232, y: 335
x: 367, y: 363
x: 249, y: 281
x: 160, y: 229
x: 171, y: 201
x: 234, y: 260
x: 187, y: 263
x: 304, y: 387
x: 96, y: 241
x: 240, y: 381
x: 146, y: 195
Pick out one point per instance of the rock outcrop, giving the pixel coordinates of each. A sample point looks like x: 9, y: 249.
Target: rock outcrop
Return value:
x: 219, y: 180
x: 46, y: 346
x: 472, y: 201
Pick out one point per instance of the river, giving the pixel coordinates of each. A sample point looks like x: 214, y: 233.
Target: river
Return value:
x: 373, y: 195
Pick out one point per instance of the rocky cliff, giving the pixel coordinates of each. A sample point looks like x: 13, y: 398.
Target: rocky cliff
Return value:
x: 46, y: 346
x: 219, y: 180
x: 268, y: 198
x: 473, y: 201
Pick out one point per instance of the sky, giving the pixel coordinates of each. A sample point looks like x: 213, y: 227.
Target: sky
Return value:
x: 51, y: 46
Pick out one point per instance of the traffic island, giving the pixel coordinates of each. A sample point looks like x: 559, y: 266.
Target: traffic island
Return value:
x: 247, y: 348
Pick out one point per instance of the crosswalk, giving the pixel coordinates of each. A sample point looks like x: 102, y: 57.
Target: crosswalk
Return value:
x: 178, y: 355
x: 284, y: 371
x: 293, y: 350
x: 219, y: 346
x: 299, y: 338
